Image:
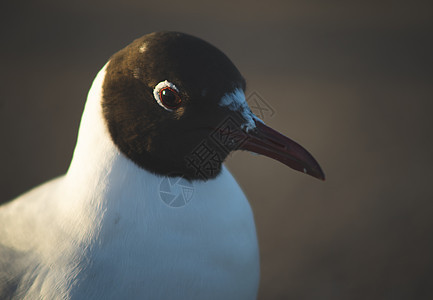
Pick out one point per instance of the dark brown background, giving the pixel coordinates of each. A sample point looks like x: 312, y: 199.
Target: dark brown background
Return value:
x: 353, y: 83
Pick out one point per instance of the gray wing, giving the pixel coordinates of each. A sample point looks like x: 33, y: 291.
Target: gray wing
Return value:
x: 9, y: 277
x: 15, y: 278
x: 20, y: 224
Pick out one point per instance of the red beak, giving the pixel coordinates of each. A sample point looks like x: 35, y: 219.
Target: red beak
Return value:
x: 269, y: 142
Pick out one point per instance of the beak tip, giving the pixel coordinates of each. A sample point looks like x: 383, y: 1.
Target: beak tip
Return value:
x: 318, y: 173
x: 322, y: 176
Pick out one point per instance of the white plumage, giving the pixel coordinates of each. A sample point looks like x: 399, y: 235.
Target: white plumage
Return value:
x: 102, y: 231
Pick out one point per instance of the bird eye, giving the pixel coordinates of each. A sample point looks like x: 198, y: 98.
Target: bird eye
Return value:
x: 167, y: 95
x: 170, y: 98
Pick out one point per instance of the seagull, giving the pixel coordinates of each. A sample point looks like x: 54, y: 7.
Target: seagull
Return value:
x: 147, y: 209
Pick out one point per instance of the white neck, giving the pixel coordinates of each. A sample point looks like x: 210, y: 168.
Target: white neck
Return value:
x: 94, y: 153
x: 113, y: 211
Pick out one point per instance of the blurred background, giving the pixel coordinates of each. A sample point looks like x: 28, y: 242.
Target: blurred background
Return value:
x: 350, y: 81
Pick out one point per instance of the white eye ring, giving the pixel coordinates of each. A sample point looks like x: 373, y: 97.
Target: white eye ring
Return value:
x: 157, y: 92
